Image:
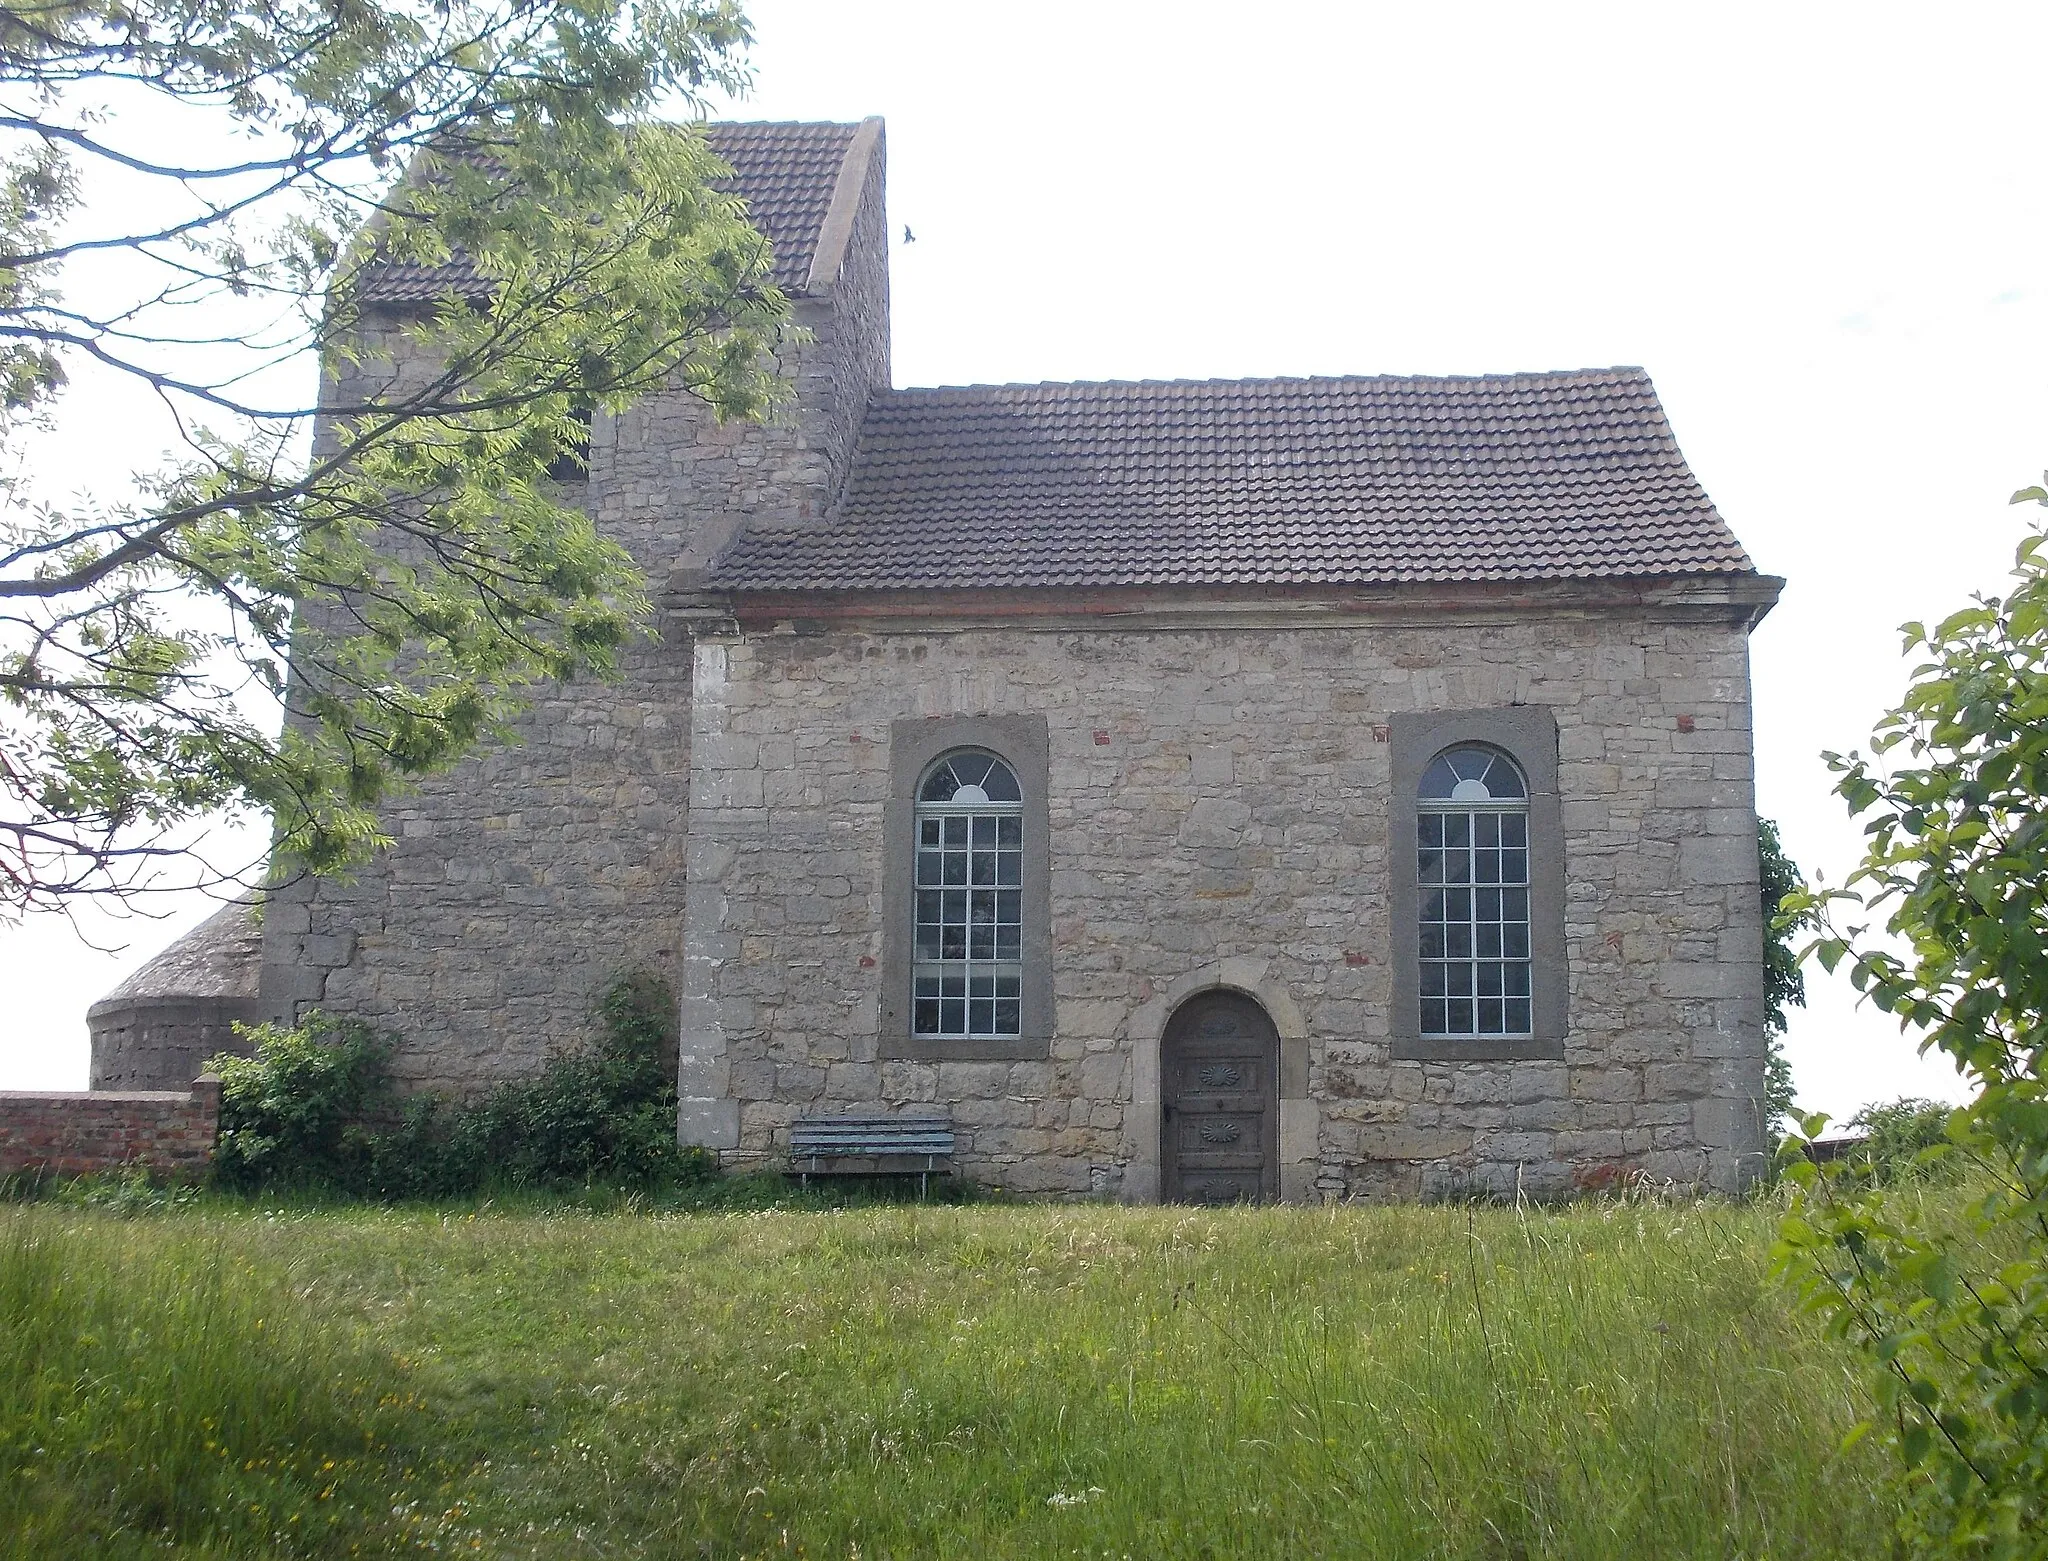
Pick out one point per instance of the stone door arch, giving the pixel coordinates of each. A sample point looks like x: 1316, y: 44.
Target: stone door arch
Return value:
x: 1220, y: 1101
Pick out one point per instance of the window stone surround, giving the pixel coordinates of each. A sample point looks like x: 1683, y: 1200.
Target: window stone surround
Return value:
x: 1022, y: 742
x: 1528, y: 735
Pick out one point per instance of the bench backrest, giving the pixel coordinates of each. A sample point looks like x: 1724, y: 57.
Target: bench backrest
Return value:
x: 870, y: 1133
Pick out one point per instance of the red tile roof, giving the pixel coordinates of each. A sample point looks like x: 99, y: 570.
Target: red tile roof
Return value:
x: 785, y: 172
x: 1240, y: 482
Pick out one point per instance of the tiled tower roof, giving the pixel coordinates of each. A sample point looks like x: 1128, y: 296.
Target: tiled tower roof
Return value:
x: 785, y: 172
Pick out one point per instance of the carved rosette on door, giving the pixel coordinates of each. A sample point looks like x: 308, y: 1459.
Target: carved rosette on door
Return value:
x: 1220, y: 1062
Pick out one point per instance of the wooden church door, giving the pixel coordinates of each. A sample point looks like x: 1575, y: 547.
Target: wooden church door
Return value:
x: 1219, y: 1065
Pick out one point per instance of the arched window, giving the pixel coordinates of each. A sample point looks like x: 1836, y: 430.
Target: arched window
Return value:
x: 967, y: 959
x: 1472, y: 895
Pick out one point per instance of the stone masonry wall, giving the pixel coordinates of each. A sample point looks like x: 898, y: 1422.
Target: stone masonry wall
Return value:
x: 859, y: 324
x: 517, y: 885
x: 171, y: 1132
x: 149, y: 1045
x: 157, y: 1029
x: 1219, y: 795
x: 523, y: 879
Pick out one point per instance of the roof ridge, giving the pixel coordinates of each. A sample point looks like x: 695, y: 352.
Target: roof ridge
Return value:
x: 1618, y: 373
x: 770, y: 124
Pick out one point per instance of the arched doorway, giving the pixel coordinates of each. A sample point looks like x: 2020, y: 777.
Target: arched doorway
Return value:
x: 1219, y: 1102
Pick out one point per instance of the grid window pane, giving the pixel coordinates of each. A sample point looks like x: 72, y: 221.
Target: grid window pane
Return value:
x: 968, y: 937
x: 1472, y: 878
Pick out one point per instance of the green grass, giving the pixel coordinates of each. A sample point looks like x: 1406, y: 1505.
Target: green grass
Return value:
x: 1609, y: 1380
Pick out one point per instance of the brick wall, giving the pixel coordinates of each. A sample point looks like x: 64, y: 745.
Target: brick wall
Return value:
x: 72, y: 1133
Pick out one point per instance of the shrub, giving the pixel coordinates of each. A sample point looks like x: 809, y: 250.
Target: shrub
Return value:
x: 314, y: 1107
x: 602, y: 1115
x: 301, y: 1110
x: 1898, y: 1135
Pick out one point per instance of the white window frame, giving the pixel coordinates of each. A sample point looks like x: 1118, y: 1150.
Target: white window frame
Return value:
x: 1478, y: 951
x: 971, y: 995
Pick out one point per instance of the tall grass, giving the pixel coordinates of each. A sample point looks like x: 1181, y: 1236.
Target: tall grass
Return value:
x: 162, y: 1392
x: 1400, y: 1383
x: 1616, y: 1379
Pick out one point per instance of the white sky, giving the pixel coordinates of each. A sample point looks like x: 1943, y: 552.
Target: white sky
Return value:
x: 1818, y: 226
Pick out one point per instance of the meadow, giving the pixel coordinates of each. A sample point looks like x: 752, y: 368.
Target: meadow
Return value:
x: 221, y: 1378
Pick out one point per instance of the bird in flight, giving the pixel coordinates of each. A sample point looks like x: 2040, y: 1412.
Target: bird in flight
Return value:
x: 908, y: 236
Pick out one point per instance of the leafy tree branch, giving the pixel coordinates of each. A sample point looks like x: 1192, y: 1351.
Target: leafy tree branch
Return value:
x: 1953, y: 1315
x: 390, y: 561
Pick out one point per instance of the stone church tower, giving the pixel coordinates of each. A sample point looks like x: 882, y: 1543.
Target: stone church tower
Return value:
x: 1279, y: 788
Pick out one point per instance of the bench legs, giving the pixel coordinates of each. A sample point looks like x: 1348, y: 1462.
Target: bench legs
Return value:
x: 805, y: 1171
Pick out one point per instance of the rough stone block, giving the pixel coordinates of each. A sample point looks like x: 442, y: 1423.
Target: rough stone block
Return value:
x: 1215, y: 821
x: 1729, y: 1124
x: 1392, y: 1141
x: 1685, y: 979
x: 1706, y: 860
x: 1102, y: 1076
x: 711, y: 1124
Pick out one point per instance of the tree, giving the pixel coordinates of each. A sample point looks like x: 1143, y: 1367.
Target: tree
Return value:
x: 1784, y: 982
x: 573, y: 255
x: 1953, y: 1314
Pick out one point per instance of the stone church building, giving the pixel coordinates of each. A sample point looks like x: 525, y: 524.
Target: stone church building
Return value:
x: 1272, y: 788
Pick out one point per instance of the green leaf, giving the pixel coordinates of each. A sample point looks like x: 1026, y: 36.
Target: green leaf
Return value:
x: 1914, y: 1443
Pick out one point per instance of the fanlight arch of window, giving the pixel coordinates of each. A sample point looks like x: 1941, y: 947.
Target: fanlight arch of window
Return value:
x: 1472, y: 893
x: 967, y: 962
x: 1470, y: 773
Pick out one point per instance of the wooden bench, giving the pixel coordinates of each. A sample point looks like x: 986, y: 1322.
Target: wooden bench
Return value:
x: 870, y: 1143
